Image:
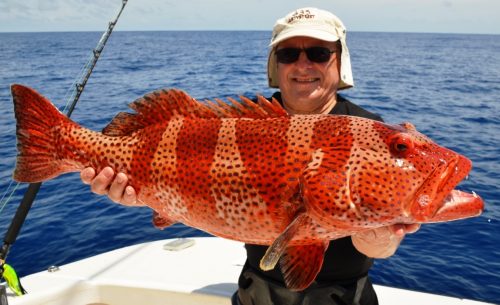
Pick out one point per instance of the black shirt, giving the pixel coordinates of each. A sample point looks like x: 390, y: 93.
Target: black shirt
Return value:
x: 343, y: 264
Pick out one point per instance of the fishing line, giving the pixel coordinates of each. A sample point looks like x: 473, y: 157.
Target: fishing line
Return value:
x: 4, y: 203
x: 70, y: 93
x: 72, y: 90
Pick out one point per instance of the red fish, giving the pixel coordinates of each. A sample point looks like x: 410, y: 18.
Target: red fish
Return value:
x: 253, y: 173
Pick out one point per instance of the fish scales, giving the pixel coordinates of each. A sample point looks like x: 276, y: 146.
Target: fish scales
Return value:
x: 250, y: 172
x: 238, y: 197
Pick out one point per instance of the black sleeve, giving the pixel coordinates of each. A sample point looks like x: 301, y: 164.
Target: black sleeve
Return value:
x: 346, y: 107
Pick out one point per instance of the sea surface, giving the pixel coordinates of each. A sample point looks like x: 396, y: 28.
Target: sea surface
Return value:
x: 447, y: 85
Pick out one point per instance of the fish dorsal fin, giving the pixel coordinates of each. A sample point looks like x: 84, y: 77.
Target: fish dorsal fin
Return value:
x: 161, y: 105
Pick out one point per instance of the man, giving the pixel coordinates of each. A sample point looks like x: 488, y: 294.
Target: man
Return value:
x: 308, y: 61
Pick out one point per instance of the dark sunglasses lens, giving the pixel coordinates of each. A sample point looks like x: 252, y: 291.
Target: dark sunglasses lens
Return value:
x: 314, y: 54
x: 287, y: 55
x: 318, y: 54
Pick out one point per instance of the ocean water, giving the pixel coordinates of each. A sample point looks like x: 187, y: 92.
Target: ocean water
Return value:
x: 447, y: 85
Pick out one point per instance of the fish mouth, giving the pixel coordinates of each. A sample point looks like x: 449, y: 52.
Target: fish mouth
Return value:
x: 453, y: 173
x: 437, y: 202
x: 459, y: 205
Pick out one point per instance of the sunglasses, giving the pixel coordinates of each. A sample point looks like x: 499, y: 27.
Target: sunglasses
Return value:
x: 314, y: 54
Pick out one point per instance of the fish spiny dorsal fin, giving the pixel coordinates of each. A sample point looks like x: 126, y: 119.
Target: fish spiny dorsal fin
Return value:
x: 238, y: 107
x: 263, y: 108
x: 273, y: 108
x: 161, y: 105
x: 255, y: 111
x: 223, y: 109
x: 157, y: 107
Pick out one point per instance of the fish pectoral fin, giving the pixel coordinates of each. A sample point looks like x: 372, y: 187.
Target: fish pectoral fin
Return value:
x: 301, y: 264
x: 278, y: 247
x: 161, y: 222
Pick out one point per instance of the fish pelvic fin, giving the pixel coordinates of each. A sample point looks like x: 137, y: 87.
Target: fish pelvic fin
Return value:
x: 162, y: 105
x: 301, y: 264
x: 36, y: 139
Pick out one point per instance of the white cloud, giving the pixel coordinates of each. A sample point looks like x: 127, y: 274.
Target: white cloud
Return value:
x: 39, y: 15
x: 466, y: 16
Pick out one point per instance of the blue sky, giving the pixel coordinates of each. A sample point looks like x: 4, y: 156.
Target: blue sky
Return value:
x: 443, y: 16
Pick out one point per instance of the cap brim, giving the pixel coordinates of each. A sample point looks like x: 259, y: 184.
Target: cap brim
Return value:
x: 313, y: 33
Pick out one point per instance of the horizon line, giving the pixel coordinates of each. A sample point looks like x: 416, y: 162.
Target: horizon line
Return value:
x: 240, y: 30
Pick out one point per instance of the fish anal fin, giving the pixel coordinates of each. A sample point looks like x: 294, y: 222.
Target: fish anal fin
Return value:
x: 161, y: 222
x: 278, y: 247
x: 301, y: 264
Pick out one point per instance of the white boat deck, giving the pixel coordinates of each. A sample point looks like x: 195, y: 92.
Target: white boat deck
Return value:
x: 205, y: 273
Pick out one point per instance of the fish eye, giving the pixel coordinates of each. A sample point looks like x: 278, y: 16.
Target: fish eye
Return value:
x: 400, y: 144
x: 400, y: 147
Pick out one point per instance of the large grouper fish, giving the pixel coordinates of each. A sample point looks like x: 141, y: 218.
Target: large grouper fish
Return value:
x: 251, y: 172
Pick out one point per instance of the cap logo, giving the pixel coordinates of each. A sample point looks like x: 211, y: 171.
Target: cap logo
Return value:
x: 299, y: 15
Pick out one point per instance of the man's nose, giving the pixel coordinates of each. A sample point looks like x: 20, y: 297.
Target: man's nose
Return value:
x: 303, y: 60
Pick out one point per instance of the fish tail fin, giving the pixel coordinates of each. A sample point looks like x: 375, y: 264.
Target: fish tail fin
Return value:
x: 36, y: 139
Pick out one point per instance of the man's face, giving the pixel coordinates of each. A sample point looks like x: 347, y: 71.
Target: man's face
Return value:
x: 307, y: 86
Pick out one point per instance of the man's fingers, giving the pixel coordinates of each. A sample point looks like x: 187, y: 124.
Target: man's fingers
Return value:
x: 117, y: 188
x: 102, y: 181
x: 401, y: 230
x: 130, y: 197
x: 412, y: 228
x: 87, y: 175
x: 398, y: 230
x: 106, y: 183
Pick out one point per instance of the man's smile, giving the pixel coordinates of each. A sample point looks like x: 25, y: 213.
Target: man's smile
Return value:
x: 305, y: 79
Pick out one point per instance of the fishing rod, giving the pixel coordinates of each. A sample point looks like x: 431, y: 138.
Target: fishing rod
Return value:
x: 24, y: 207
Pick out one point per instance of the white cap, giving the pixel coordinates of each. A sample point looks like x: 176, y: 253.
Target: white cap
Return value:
x: 314, y: 23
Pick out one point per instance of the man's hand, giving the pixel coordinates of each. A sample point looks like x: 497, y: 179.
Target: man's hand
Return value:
x: 382, y: 242
x: 106, y: 183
